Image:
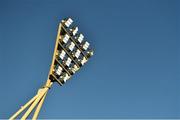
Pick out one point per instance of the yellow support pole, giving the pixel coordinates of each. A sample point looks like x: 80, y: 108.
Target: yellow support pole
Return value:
x: 38, y: 98
x: 23, y: 108
x: 41, y: 93
x: 36, y: 113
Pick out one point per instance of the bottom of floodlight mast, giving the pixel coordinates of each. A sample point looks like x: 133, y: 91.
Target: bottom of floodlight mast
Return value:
x: 35, y: 102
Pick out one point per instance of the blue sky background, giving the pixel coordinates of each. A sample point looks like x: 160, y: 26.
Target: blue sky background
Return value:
x: 133, y: 74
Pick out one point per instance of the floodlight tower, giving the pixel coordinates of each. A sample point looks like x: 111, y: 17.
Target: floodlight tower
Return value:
x: 71, y: 52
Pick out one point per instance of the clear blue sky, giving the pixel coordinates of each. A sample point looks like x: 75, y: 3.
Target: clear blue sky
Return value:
x: 133, y: 74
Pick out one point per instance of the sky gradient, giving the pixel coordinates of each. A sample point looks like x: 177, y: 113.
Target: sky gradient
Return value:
x: 133, y: 74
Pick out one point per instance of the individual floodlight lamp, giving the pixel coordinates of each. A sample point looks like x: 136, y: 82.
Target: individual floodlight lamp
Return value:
x: 71, y: 52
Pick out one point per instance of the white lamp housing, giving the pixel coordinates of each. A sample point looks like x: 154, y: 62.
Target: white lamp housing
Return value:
x: 86, y: 45
x: 83, y: 61
x: 68, y: 62
x: 75, y: 30
x: 75, y: 68
x: 66, y: 77
x: 77, y: 54
x: 71, y: 46
x: 80, y: 38
x: 68, y: 22
x: 62, y: 54
x: 58, y: 70
x: 66, y: 38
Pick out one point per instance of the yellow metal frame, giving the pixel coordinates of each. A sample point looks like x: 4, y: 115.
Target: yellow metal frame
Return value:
x: 38, y: 99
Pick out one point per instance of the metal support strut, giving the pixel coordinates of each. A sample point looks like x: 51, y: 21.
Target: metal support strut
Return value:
x: 37, y: 100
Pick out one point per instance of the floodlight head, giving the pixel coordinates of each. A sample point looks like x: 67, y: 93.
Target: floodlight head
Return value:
x: 72, y: 51
x: 67, y: 22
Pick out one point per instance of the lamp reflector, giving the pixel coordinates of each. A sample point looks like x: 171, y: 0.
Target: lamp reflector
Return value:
x: 80, y: 38
x: 83, y: 61
x: 68, y: 22
x: 86, y: 45
x: 66, y: 38
x: 75, y: 31
x: 77, y: 54
x: 75, y: 68
x: 58, y: 70
x: 65, y: 77
x: 68, y: 62
x: 62, y: 54
x: 71, y: 46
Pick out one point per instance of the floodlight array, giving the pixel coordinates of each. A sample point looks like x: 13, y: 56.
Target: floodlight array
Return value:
x: 72, y: 53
